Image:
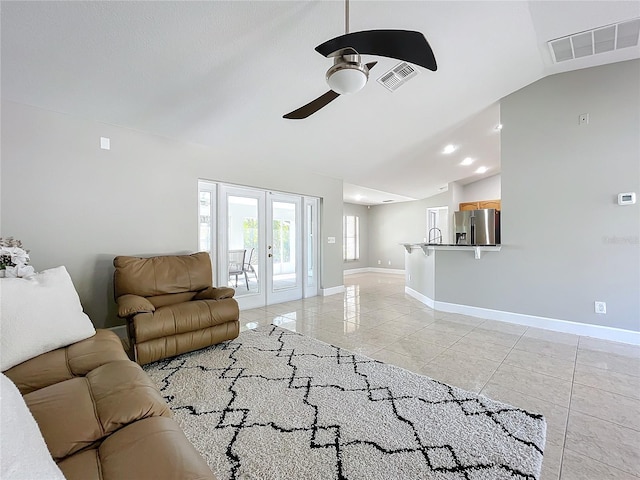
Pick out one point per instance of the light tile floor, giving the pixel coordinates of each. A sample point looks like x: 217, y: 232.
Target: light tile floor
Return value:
x: 588, y: 389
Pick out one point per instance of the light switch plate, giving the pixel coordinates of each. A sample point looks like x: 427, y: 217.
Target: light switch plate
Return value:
x: 105, y: 143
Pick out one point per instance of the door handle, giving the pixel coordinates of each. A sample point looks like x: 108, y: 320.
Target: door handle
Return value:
x: 270, y: 255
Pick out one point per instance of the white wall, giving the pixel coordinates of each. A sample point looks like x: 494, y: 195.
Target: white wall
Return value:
x: 489, y: 188
x: 72, y: 203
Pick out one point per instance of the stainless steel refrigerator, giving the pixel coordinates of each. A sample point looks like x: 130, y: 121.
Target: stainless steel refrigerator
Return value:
x: 477, y: 227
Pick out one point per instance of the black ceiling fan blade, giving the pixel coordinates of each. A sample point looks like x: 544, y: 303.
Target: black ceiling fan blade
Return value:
x: 404, y: 45
x: 313, y: 106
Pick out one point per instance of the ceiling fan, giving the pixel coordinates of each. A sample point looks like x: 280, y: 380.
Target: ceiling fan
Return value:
x: 349, y: 75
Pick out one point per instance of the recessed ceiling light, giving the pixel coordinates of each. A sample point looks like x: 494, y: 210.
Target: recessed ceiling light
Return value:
x: 481, y: 169
x: 467, y: 161
x: 449, y: 149
x: 499, y: 127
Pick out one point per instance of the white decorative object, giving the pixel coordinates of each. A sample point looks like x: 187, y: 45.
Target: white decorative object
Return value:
x: 38, y: 314
x: 24, y: 453
x: 14, y: 259
x: 19, y: 271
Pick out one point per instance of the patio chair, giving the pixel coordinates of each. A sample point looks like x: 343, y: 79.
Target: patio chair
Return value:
x: 237, y: 265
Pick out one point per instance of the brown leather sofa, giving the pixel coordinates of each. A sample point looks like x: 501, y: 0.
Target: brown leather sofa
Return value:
x: 101, y: 416
x: 171, y: 306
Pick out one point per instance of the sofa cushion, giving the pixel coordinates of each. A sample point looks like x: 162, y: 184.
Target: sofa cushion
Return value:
x: 77, y: 413
x: 185, y: 317
x: 162, y: 275
x: 24, y: 453
x: 64, y: 363
x: 38, y: 314
x: 153, y: 448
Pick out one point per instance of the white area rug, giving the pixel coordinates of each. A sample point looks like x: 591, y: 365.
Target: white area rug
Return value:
x: 274, y: 404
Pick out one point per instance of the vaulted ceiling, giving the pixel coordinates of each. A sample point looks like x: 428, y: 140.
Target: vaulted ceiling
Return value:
x: 222, y: 74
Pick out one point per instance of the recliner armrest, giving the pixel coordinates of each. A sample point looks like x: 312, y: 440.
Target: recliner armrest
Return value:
x: 131, y: 304
x: 213, y: 293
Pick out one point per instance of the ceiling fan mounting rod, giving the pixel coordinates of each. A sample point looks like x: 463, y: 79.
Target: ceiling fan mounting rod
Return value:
x: 346, y: 16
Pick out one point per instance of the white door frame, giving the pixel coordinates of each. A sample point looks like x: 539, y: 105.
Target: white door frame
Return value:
x: 252, y: 300
x: 307, y: 241
x: 275, y: 294
x: 311, y: 245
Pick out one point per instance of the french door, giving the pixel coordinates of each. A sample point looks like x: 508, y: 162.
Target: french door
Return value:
x: 267, y: 245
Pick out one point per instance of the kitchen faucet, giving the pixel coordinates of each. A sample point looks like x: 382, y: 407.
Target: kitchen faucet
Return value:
x: 437, y: 237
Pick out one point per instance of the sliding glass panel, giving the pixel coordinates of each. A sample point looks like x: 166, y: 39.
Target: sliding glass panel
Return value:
x: 207, y: 221
x: 310, y: 259
x: 242, y: 244
x: 284, y: 246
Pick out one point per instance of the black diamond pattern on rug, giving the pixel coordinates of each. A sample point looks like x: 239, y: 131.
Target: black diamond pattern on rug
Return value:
x: 274, y: 404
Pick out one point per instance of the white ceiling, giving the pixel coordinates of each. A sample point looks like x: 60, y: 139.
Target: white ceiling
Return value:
x: 223, y: 73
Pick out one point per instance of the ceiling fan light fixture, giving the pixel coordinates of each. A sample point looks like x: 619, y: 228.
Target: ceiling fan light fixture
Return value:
x: 347, y: 75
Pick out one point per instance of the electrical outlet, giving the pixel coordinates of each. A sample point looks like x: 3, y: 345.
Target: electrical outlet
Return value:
x: 600, y: 307
x: 389, y: 262
x: 379, y: 262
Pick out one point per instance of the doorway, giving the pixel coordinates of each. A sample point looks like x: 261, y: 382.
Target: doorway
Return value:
x: 266, y: 244
x: 437, y: 225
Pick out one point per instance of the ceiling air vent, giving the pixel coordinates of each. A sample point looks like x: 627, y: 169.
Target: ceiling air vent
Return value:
x: 599, y: 40
x: 397, y: 76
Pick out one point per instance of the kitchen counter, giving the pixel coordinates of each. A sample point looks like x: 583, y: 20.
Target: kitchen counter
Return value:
x: 427, y: 248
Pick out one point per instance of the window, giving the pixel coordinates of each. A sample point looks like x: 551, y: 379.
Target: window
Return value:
x: 206, y: 217
x: 351, y: 243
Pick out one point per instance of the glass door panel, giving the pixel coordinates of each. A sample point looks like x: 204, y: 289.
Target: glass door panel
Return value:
x: 311, y: 238
x: 207, y: 221
x: 284, y: 248
x: 243, y: 238
x: 267, y: 245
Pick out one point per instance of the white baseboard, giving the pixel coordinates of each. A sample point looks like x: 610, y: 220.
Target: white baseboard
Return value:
x: 557, y: 325
x: 325, y: 292
x: 395, y: 271
x: 420, y: 297
x: 353, y: 271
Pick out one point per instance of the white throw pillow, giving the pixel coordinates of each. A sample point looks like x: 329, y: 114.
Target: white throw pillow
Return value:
x: 23, y: 452
x: 39, y: 314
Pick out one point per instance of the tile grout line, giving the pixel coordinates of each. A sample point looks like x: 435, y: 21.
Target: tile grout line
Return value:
x: 566, y: 425
x: 505, y: 357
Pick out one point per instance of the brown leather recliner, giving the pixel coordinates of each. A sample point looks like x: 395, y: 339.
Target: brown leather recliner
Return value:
x: 171, y: 306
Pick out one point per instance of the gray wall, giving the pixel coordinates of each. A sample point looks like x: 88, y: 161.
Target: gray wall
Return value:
x: 406, y: 222
x: 566, y: 243
x: 362, y: 212
x: 396, y: 223
x: 73, y: 204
